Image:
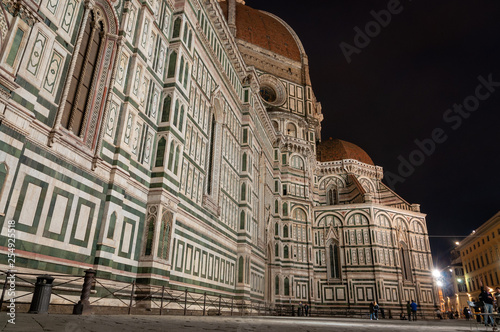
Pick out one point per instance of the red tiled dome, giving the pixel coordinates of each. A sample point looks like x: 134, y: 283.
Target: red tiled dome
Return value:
x: 260, y: 29
x: 336, y: 149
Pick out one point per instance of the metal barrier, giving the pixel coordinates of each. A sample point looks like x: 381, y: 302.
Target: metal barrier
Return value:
x: 121, y: 297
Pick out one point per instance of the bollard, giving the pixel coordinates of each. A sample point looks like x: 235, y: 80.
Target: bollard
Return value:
x: 83, y: 306
x: 204, y: 302
x: 41, y: 297
x: 220, y: 299
x: 161, y: 304
x: 185, y: 301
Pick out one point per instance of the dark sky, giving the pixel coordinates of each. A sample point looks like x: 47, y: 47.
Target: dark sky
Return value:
x: 398, y: 90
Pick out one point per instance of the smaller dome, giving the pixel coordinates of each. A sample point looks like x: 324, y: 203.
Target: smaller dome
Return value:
x: 336, y: 149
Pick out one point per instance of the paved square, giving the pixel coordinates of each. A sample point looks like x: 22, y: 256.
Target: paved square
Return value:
x: 69, y: 323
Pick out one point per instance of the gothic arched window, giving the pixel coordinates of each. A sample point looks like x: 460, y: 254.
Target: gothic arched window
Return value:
x: 285, y: 231
x: 277, y: 285
x: 240, y: 269
x: 242, y: 220
x: 276, y: 250
x: 177, y: 28
x: 276, y: 125
x: 165, y: 115
x: 291, y: 130
x: 211, y: 157
x: 77, y: 106
x: 244, y: 163
x: 334, y: 261
x: 287, y: 287
x: 243, y: 191
x: 297, y: 162
x: 164, y: 241
x: 276, y: 229
x: 405, y: 262
x: 332, y: 196
x: 285, y: 252
x: 160, y: 152
x: 171, y: 64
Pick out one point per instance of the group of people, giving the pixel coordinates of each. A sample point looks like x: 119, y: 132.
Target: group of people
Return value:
x: 303, y: 310
x: 487, y: 304
x: 411, y: 310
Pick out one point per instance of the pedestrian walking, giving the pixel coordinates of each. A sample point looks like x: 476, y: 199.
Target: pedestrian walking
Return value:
x: 496, y: 295
x: 408, y: 310
x: 466, y: 313
x: 487, y: 300
x: 306, y: 309
x: 413, y: 306
x: 375, y: 310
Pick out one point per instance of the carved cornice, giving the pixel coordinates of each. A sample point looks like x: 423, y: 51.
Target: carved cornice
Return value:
x: 24, y: 9
x: 349, y: 166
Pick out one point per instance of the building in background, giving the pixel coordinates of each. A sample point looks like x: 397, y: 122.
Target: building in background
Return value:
x: 481, y: 257
x: 178, y: 143
x: 454, y: 288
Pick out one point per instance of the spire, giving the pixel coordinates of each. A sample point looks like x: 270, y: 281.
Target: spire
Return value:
x: 231, y: 15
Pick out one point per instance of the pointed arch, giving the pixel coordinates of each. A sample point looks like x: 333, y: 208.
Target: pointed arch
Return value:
x: 286, y: 287
x: 285, y: 209
x: 177, y: 28
x: 172, y: 62
x: 285, y: 231
x: 242, y: 220
x: 277, y: 285
x: 81, y: 113
x: 165, y: 115
x: 165, y: 233
x: 160, y: 152
x: 291, y: 129
x: 243, y: 191
x: 334, y: 262
x: 404, y: 260
x: 244, y: 162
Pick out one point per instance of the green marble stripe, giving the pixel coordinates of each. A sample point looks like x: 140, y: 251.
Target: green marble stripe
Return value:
x: 215, y: 247
x: 105, y: 248
x: 198, y: 283
x: 67, y: 179
x: 18, y: 98
x: 213, y: 221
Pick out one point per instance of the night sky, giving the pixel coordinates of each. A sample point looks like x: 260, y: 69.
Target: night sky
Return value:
x: 399, y: 89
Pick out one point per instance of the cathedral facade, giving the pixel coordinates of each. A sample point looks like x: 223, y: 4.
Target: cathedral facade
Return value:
x: 178, y: 143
